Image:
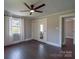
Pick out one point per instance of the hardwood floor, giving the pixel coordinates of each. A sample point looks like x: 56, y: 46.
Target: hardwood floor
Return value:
x: 33, y: 50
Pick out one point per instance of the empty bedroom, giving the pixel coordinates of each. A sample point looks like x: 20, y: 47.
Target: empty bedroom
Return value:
x: 39, y: 29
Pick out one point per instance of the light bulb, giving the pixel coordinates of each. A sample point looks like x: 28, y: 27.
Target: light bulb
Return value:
x: 32, y: 11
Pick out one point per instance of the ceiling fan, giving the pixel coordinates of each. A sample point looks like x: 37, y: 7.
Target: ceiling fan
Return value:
x: 33, y: 8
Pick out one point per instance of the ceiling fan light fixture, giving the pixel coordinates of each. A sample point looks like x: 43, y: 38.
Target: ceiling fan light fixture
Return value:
x: 32, y: 11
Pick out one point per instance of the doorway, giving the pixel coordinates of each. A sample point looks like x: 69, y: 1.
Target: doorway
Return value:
x: 68, y: 31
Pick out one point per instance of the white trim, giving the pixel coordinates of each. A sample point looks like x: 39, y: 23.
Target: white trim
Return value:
x: 15, y: 42
x: 68, y: 37
x: 67, y: 15
x: 56, y: 13
x: 50, y: 43
x: 60, y: 24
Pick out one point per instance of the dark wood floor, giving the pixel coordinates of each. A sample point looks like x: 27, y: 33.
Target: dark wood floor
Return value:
x: 34, y: 50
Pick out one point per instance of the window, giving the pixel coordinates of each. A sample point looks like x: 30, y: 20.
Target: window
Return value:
x: 14, y: 26
x: 41, y: 28
x: 41, y: 31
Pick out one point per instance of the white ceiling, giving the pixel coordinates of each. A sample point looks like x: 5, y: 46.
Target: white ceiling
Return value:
x: 52, y: 6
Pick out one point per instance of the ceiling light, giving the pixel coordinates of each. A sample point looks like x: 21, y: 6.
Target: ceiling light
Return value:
x: 32, y: 11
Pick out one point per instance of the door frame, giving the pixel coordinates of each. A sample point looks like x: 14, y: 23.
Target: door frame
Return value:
x: 60, y: 26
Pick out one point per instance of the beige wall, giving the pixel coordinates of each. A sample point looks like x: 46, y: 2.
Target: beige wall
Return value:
x: 27, y: 28
x: 6, y: 34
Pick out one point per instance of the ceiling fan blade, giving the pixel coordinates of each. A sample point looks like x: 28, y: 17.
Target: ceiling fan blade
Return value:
x: 27, y: 5
x: 30, y: 13
x: 39, y: 6
x: 32, y: 6
x: 39, y: 11
x: 25, y: 11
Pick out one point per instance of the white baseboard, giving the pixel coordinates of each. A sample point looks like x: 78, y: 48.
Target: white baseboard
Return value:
x: 50, y: 43
x: 15, y: 42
